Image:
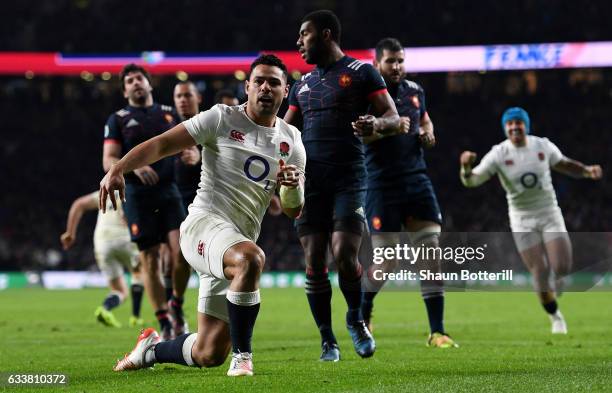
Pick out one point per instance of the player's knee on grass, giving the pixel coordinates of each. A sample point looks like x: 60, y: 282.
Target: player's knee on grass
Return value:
x: 210, y: 357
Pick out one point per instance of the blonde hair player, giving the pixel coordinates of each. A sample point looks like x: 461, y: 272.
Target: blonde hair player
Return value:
x: 523, y: 162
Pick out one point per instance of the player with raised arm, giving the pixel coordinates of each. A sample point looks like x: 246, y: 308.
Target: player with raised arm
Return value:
x: 332, y: 101
x: 113, y: 251
x: 400, y: 195
x: 523, y: 162
x: 153, y: 210
x: 247, y: 152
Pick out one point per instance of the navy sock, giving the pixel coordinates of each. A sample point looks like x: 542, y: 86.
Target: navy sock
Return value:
x: 242, y: 320
x: 369, y: 296
x: 351, y: 289
x: 168, y: 286
x: 164, y: 321
x: 367, y: 305
x: 551, y: 307
x: 171, y: 351
x: 435, y: 313
x: 319, y: 294
x: 177, y: 306
x: 111, y: 301
x: 136, y: 291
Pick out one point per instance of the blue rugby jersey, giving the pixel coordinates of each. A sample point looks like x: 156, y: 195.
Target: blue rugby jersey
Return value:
x: 392, y: 159
x: 329, y: 99
x: 131, y: 126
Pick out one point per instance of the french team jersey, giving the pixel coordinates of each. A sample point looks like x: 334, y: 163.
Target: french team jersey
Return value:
x: 329, y: 99
x: 393, y: 159
x: 131, y: 126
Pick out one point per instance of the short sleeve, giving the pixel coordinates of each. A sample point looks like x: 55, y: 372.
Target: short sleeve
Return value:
x: 112, y: 132
x: 294, y: 105
x: 554, y: 154
x: 488, y: 164
x: 423, y: 106
x: 298, y: 156
x: 374, y: 83
x: 95, y: 196
x: 203, y: 126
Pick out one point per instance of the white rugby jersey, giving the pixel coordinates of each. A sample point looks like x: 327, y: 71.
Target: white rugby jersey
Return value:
x: 240, y: 160
x: 112, y: 224
x: 524, y: 172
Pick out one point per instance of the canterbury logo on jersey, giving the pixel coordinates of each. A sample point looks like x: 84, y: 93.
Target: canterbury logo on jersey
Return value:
x: 122, y: 113
x: 304, y: 89
x: 355, y: 65
x: 237, y: 136
x: 132, y: 123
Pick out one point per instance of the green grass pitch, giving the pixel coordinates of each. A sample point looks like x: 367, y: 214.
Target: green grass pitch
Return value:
x: 504, y: 337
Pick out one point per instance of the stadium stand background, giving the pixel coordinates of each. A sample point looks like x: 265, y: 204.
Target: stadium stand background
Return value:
x: 52, y: 126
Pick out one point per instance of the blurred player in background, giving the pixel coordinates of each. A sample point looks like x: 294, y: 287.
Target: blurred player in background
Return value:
x: 523, y: 162
x: 400, y: 195
x: 187, y: 100
x: 113, y: 251
x: 226, y: 97
x: 331, y: 102
x: 154, y: 209
x: 247, y: 152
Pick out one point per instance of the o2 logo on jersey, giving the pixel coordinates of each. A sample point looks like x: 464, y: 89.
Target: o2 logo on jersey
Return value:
x: 252, y: 173
x: 529, y: 180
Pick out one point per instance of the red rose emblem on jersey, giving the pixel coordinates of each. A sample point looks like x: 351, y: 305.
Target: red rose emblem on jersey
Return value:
x: 284, y: 149
x: 345, y: 80
x: 201, y: 245
x: 541, y: 156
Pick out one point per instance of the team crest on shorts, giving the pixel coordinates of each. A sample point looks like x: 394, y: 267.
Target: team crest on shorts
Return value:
x: 201, y: 245
x: 376, y: 223
x: 345, y: 80
x: 283, y: 149
x: 135, y: 230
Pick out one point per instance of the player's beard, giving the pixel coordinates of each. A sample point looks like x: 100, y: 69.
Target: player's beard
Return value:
x: 139, y: 97
x: 315, y: 54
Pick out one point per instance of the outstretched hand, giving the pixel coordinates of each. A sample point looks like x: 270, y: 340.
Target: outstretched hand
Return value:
x: 113, y: 181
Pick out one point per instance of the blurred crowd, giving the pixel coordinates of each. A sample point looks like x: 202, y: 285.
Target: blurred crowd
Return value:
x: 52, y: 149
x: 192, y: 25
x: 52, y: 127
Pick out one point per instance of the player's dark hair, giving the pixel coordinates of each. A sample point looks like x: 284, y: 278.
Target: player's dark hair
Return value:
x: 390, y: 44
x: 132, y: 68
x: 270, y: 60
x: 224, y: 93
x: 325, y: 19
